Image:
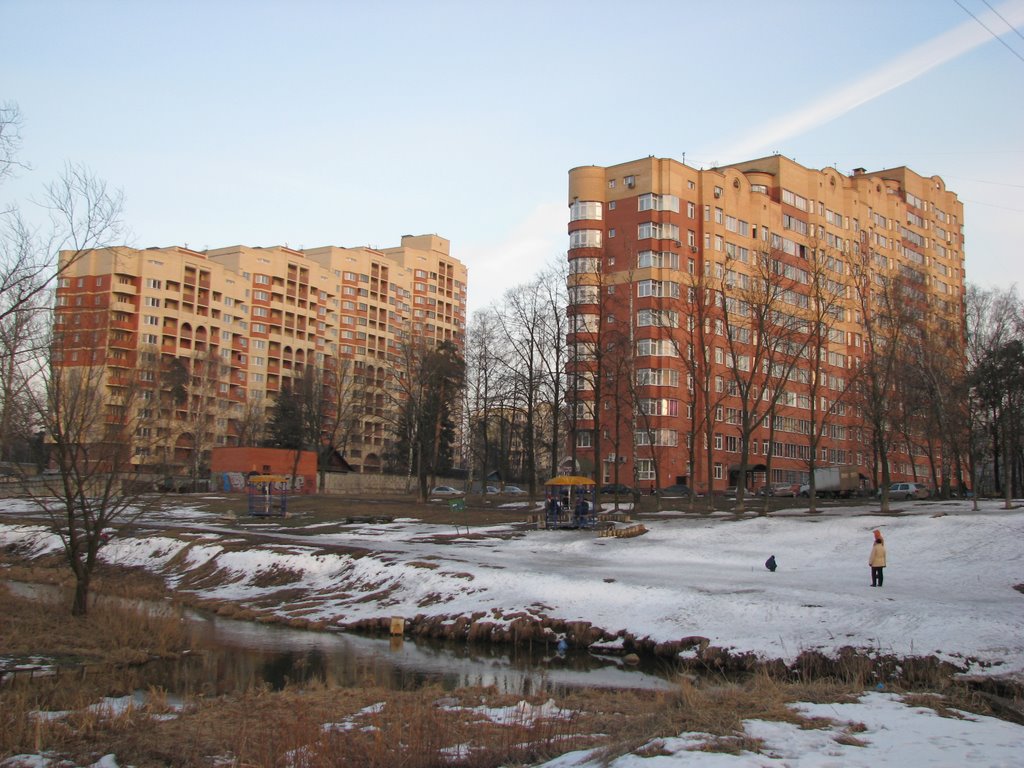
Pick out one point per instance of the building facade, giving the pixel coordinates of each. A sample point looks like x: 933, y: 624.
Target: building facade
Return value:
x: 204, y: 340
x: 722, y: 320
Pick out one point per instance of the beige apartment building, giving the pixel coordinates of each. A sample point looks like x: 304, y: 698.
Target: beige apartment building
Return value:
x: 239, y: 323
x: 669, y: 268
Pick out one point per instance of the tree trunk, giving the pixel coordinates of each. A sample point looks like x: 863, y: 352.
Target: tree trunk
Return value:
x: 80, y: 606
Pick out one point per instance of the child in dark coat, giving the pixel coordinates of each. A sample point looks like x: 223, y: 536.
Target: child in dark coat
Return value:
x: 770, y: 564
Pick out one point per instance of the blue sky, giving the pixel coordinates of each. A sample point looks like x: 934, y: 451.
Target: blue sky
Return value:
x: 353, y: 123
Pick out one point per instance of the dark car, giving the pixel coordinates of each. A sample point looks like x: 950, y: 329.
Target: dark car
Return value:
x: 677, y: 490
x: 617, y: 488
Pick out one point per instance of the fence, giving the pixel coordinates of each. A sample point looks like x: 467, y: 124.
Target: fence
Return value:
x: 356, y: 484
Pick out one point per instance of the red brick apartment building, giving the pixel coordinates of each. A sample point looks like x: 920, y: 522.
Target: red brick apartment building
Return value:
x: 654, y: 247
x: 238, y: 323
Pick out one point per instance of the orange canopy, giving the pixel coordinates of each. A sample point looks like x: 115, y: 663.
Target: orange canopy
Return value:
x: 570, y: 480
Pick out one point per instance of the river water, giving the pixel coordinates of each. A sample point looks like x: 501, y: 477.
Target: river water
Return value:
x: 231, y: 656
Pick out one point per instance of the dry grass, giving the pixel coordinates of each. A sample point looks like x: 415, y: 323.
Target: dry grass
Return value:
x: 114, y: 632
x: 372, y: 727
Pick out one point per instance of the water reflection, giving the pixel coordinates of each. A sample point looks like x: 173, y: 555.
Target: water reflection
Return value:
x: 231, y: 656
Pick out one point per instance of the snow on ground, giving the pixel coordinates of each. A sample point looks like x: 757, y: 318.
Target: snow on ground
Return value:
x: 877, y: 730
x: 949, y: 590
x: 949, y: 586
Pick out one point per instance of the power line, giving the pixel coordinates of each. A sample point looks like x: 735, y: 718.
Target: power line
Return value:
x: 997, y: 13
x: 997, y: 37
x: 991, y: 205
x: 982, y: 181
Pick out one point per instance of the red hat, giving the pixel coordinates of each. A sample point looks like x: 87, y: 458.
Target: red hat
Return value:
x: 878, y: 534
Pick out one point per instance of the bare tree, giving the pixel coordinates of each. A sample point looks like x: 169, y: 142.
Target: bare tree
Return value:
x: 347, y: 397
x: 694, y: 345
x: 483, y: 395
x: 87, y: 410
x: 554, y: 355
x: 586, y: 359
x: 10, y: 139
x: 522, y: 328
x: 886, y: 312
x: 96, y: 438
x: 20, y: 332
x: 827, y: 388
x: 251, y: 421
x: 993, y: 320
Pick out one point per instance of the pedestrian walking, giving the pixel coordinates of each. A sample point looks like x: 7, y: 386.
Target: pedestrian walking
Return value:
x: 877, y: 559
x: 770, y: 564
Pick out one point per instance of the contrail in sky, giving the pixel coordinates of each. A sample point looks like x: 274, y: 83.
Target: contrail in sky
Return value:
x: 903, y: 69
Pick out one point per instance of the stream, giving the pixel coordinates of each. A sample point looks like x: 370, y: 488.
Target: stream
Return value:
x: 230, y: 655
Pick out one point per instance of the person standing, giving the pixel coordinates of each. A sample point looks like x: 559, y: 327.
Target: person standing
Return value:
x: 877, y: 559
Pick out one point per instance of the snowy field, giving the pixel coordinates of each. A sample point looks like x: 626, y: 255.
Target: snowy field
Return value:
x: 949, y: 586
x: 949, y: 591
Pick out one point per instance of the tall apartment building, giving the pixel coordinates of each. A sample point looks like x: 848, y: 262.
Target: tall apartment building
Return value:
x: 230, y: 327
x: 669, y: 264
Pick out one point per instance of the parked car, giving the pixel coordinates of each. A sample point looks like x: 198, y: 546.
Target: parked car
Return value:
x: 513, y: 490
x: 445, y: 490
x: 675, y: 491
x: 908, y: 491
x: 617, y: 488
x: 782, y: 489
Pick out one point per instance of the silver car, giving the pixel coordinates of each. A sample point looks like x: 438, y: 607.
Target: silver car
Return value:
x: 908, y: 491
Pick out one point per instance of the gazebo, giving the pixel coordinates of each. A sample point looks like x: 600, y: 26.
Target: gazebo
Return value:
x: 570, y: 502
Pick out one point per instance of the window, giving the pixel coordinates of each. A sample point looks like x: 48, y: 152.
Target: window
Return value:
x: 153, y: 283
x: 791, y: 198
x: 583, y: 294
x: 585, y: 210
x: 658, y: 288
x: 656, y: 437
x: 659, y: 377
x: 652, y: 202
x: 657, y: 259
x: 584, y: 438
x: 655, y: 347
x: 151, y: 320
x: 659, y: 318
x: 585, y: 238
x: 659, y: 407
x: 664, y: 231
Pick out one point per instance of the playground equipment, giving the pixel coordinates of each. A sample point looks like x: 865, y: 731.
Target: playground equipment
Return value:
x: 570, y: 502
x: 268, y: 495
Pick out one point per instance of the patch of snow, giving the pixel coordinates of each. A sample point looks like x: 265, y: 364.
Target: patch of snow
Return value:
x: 879, y: 729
